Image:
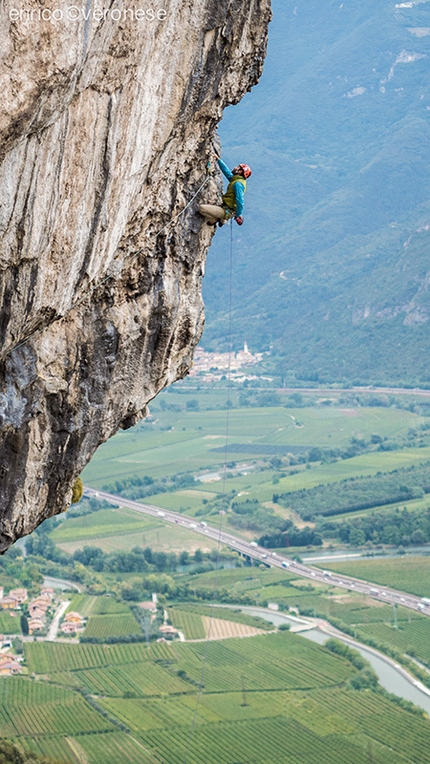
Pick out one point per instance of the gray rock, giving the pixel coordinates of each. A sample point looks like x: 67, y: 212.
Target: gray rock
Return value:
x: 105, y: 135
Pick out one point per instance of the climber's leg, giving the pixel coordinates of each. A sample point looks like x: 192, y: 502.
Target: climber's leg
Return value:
x: 212, y: 213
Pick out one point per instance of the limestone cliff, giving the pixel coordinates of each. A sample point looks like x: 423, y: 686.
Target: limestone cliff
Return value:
x: 106, y: 125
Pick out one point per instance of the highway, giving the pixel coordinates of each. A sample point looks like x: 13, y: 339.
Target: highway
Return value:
x: 262, y: 555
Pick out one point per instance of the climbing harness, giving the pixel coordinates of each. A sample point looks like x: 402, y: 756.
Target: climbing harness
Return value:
x: 128, y: 259
x: 224, y: 504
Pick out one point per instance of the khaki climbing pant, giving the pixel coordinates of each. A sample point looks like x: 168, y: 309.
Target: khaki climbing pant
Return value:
x: 213, y: 212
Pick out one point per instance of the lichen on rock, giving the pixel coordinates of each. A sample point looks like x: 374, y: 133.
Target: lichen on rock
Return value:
x: 105, y: 133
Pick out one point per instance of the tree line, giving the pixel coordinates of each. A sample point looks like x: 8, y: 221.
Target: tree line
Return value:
x: 359, y: 493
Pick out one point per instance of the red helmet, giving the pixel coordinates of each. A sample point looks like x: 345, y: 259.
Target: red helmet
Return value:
x: 246, y: 170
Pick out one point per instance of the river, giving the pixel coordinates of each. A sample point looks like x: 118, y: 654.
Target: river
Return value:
x: 390, y: 677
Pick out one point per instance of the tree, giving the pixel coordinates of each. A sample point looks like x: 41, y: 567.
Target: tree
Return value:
x: 356, y: 537
x: 160, y: 560
x: 24, y: 625
x: 418, y: 537
x: 198, y: 555
x: 184, y: 558
x: 390, y: 535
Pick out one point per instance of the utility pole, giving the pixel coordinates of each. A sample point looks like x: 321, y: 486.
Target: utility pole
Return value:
x: 146, y: 621
x: 244, y: 703
x: 395, y: 615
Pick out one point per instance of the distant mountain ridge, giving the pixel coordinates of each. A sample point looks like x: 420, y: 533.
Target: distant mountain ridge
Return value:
x: 333, y: 266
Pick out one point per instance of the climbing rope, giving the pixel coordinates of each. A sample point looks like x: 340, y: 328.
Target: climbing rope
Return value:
x: 224, y: 503
x: 128, y: 259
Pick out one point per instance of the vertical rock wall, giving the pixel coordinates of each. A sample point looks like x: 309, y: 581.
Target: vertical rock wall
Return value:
x: 105, y: 136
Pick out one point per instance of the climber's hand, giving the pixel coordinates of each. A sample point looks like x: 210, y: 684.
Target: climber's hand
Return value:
x: 239, y: 220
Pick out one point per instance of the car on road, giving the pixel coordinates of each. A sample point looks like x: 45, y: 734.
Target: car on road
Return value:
x: 161, y: 514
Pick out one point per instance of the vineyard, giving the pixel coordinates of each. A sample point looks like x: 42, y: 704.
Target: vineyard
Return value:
x: 271, y: 698
x: 228, y: 614
x: 412, y: 638
x: 190, y: 624
x: 141, y: 679
x: 43, y: 657
x: 29, y: 708
x: 117, y: 625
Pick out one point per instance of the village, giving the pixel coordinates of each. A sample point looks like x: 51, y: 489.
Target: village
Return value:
x: 37, y: 617
x: 210, y: 367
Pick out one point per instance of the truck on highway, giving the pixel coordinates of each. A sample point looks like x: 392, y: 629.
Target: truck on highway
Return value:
x: 425, y: 600
x: 285, y: 564
x: 373, y: 590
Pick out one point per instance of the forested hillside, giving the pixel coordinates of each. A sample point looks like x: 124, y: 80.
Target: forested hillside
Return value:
x: 331, y: 267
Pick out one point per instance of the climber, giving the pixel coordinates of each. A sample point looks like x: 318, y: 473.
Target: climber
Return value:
x: 232, y: 200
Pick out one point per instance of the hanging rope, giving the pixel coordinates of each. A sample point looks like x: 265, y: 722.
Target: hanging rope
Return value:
x: 127, y: 259
x: 224, y: 503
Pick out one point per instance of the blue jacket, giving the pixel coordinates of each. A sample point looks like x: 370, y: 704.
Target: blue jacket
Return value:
x: 238, y: 187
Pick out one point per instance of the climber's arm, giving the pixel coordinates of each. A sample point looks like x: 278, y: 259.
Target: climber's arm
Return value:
x: 225, y: 170
x: 239, y: 196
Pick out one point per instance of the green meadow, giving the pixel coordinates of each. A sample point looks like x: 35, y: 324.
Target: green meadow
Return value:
x: 185, y: 441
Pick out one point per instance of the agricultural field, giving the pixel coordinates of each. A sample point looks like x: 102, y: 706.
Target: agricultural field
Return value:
x: 195, y: 440
x: 114, y: 625
x: 273, y: 697
x: 410, y: 638
x: 189, y: 623
x: 44, y: 657
x: 200, y: 622
x: 96, y: 605
x: 408, y: 574
x: 224, y: 613
x: 9, y: 624
x: 113, y: 522
x: 29, y: 708
x: 155, y: 534
x: 367, y: 617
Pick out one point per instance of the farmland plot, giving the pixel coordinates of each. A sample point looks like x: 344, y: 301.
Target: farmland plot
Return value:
x: 117, y: 625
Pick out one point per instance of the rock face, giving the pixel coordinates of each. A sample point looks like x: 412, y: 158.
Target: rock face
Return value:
x: 106, y: 129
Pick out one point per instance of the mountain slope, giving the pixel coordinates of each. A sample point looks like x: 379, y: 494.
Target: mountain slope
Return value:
x: 331, y: 267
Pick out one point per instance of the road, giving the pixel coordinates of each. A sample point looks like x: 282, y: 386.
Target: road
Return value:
x: 274, y: 560
x: 53, y: 628
x: 357, y: 390
x: 325, y: 391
